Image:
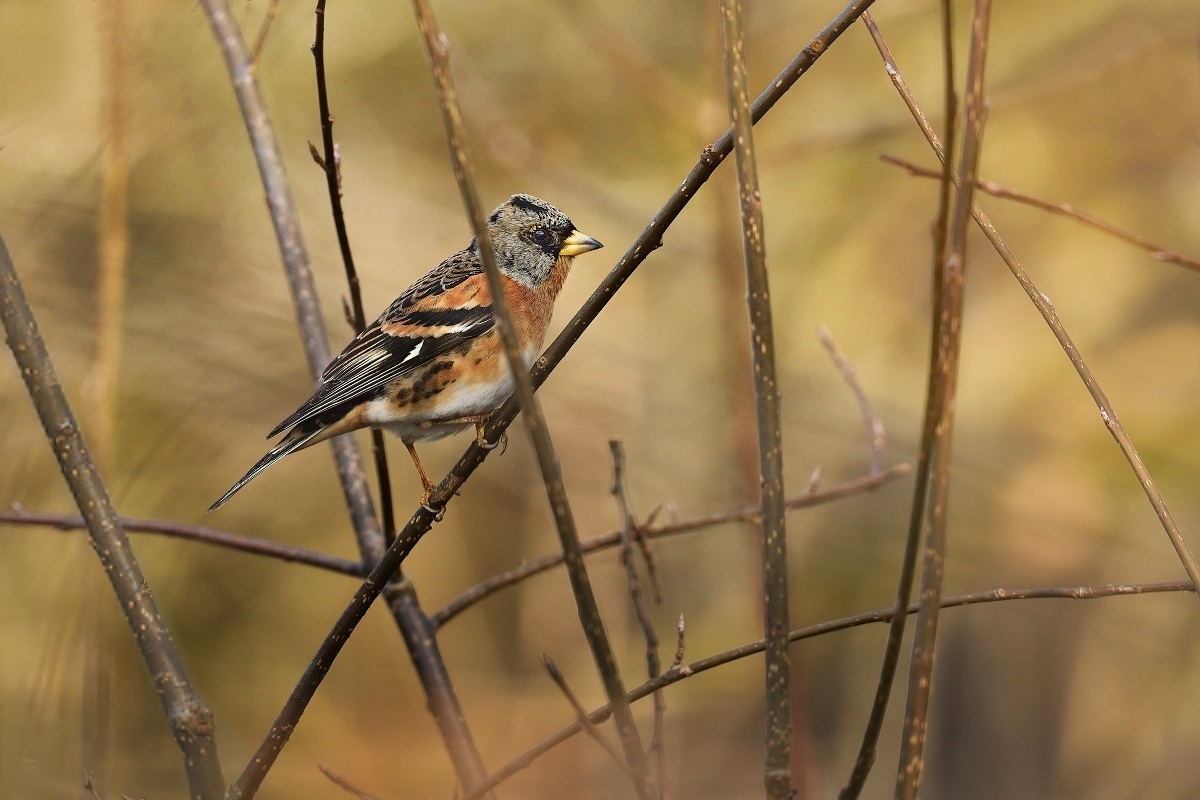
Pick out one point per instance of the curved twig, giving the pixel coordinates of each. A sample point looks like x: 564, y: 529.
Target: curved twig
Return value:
x: 678, y: 673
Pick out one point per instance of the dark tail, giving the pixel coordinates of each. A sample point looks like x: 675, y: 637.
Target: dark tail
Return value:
x: 295, y: 440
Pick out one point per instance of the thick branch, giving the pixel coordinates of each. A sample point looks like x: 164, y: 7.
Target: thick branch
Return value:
x: 189, y: 719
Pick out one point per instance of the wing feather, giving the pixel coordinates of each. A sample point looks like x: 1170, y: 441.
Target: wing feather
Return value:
x: 425, y: 322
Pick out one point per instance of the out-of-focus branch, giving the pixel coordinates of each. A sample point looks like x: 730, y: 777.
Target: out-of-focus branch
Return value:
x: 195, y: 533
x: 581, y: 715
x: 189, y: 719
x: 777, y: 772
x: 1156, y: 251
x: 342, y: 783
x: 264, y: 29
x: 953, y: 273
x: 1107, y: 413
x: 749, y: 514
x: 425, y: 516
x: 876, y: 433
x: 678, y: 673
x: 438, y: 52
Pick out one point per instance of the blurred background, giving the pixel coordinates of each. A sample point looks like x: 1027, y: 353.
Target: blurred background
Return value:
x: 602, y: 108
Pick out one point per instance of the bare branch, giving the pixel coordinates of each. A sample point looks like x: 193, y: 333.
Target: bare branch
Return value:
x: 749, y: 513
x: 876, y: 434
x: 630, y: 531
x: 953, y: 275
x: 676, y: 674
x: 581, y: 715
x: 189, y: 719
x: 1157, y: 251
x: 342, y: 783
x: 264, y: 29
x: 437, y: 50
x: 195, y: 533
x: 777, y: 774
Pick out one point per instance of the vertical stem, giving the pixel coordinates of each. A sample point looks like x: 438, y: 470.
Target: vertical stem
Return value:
x: 189, y: 719
x: 777, y: 770
x: 949, y: 341
x: 437, y: 50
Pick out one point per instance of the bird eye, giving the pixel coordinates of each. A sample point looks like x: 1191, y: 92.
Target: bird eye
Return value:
x: 540, y: 235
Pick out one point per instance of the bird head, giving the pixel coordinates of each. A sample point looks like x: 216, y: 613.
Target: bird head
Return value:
x: 529, y: 235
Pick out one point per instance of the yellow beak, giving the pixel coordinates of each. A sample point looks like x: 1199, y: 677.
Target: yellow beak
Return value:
x: 578, y: 243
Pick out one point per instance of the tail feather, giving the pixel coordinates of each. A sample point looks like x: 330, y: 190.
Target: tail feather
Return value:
x: 295, y: 440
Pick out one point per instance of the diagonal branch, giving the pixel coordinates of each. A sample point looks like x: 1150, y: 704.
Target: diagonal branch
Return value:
x: 190, y: 720
x: 438, y: 51
x: 777, y: 776
x: 425, y: 516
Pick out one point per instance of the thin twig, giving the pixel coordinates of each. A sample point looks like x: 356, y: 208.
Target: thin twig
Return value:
x: 438, y: 52
x: 581, y: 714
x: 425, y: 516
x: 629, y: 531
x: 777, y: 773
x: 342, y: 783
x: 189, y: 719
x: 263, y: 30
x: 331, y: 165
x: 195, y: 533
x: 1157, y: 251
x: 876, y: 434
x: 953, y: 273
x: 680, y: 630
x: 881, y: 615
x: 409, y: 617
x: 675, y: 527
x: 1107, y: 413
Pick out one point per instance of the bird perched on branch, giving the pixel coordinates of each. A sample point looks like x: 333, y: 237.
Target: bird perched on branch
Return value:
x: 433, y: 363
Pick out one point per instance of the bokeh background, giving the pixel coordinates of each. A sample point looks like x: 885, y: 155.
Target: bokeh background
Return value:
x: 602, y: 108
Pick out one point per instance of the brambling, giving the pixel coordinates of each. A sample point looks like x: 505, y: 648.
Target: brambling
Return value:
x: 433, y: 363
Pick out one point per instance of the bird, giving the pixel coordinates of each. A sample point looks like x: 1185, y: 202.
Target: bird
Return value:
x: 433, y: 364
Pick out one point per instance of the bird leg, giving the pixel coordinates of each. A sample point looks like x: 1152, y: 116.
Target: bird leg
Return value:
x: 425, y: 482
